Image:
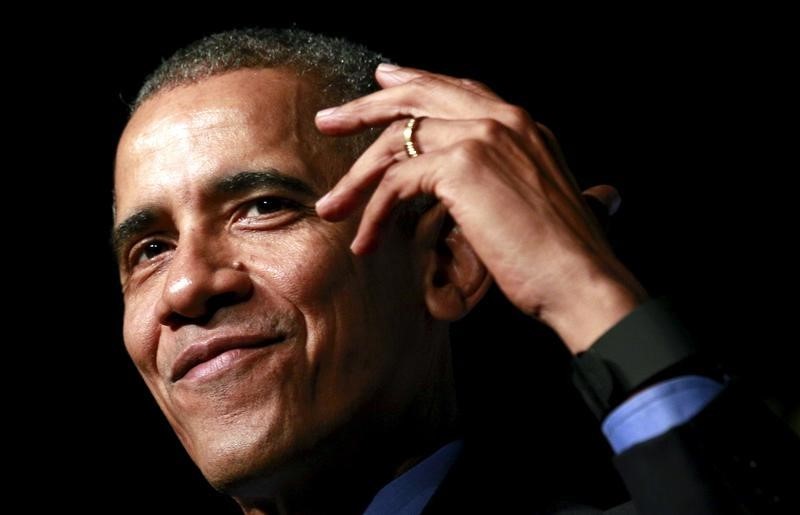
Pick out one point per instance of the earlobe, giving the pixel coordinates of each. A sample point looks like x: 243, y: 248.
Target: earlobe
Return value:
x: 455, y: 279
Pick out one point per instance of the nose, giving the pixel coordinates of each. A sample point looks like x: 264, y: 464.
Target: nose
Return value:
x: 200, y: 281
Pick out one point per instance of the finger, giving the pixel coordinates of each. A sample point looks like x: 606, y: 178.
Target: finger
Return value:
x: 425, y: 95
x: 401, y: 181
x: 430, y: 134
x: 389, y: 75
x: 461, y: 178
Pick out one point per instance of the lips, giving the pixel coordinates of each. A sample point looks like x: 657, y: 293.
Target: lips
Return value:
x: 216, y: 353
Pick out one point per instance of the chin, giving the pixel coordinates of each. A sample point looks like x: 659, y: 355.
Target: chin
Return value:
x: 252, y: 447
x: 281, y: 455
x: 235, y: 462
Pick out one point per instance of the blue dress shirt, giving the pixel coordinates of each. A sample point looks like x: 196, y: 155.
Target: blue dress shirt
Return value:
x: 657, y: 409
x: 409, y: 493
x: 647, y: 414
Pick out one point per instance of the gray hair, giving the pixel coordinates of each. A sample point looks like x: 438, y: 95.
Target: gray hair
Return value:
x: 344, y: 69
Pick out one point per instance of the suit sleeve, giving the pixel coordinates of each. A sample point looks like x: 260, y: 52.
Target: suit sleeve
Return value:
x: 733, y: 457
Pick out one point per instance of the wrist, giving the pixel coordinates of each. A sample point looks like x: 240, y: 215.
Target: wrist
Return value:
x: 649, y: 346
x: 597, y: 302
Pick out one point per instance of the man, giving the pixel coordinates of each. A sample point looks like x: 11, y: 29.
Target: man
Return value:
x: 289, y: 280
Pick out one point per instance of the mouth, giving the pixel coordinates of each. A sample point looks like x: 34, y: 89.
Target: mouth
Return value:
x: 206, y: 358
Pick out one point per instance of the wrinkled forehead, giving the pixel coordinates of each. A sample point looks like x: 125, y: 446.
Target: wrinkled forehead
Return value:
x: 227, y: 121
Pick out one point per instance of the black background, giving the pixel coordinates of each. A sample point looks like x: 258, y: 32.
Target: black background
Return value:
x: 683, y: 112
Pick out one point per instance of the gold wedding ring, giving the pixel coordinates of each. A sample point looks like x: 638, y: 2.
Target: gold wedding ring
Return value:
x: 408, y: 137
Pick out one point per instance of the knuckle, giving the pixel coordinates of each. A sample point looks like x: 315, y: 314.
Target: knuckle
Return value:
x: 422, y: 82
x: 473, y: 85
x: 427, y: 79
x: 407, y: 192
x: 354, y: 104
x: 516, y: 117
x: 390, y: 177
x: 396, y: 127
x: 490, y: 129
x: 469, y: 151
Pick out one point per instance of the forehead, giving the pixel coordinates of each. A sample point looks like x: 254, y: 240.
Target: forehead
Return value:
x: 240, y: 119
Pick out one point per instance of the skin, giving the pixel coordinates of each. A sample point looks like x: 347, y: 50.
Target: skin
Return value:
x: 502, y: 178
x: 251, y: 427
x: 301, y: 425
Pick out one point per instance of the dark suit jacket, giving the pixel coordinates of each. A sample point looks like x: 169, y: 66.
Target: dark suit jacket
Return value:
x: 734, y: 457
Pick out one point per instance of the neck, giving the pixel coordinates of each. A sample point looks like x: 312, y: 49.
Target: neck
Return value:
x: 341, y: 476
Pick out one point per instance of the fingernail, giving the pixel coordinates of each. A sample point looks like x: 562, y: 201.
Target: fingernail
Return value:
x: 324, y: 199
x: 359, y: 248
x: 388, y: 67
x: 327, y: 112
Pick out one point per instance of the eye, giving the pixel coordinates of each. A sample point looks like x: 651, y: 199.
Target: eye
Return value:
x: 149, y: 250
x: 268, y: 205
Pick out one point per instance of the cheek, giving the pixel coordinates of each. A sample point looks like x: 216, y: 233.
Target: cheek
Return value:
x: 315, y: 272
x: 332, y: 292
x: 140, y: 332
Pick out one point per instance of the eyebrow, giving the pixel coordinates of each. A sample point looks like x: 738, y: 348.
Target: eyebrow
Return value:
x: 138, y: 223
x: 239, y: 183
x: 270, y: 178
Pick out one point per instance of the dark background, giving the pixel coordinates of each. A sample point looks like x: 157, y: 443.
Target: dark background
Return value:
x: 683, y: 112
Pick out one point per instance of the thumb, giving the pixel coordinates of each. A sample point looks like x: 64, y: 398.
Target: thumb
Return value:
x: 604, y: 201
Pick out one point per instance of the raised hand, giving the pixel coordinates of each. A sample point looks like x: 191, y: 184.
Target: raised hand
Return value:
x: 504, y: 181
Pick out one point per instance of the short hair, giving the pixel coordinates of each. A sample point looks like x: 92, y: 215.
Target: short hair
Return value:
x: 345, y: 69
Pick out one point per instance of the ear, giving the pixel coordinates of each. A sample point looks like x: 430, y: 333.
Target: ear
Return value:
x: 454, y: 277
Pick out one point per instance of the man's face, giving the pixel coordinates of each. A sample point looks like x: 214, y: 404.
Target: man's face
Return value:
x: 256, y: 329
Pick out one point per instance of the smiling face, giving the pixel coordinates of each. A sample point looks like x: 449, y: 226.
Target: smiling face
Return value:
x: 256, y: 329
